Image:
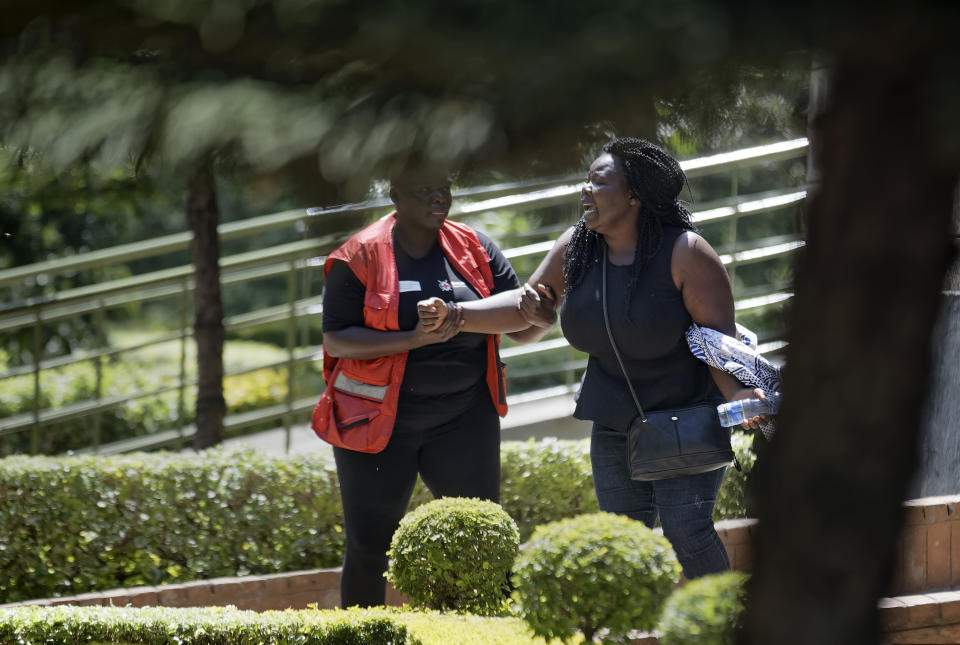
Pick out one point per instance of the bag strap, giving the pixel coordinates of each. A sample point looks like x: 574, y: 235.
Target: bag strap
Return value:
x: 606, y: 322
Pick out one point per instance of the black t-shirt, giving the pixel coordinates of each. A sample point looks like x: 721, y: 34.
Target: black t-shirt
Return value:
x: 440, y: 375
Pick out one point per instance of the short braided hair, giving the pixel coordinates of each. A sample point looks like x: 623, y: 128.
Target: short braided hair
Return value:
x: 655, y: 179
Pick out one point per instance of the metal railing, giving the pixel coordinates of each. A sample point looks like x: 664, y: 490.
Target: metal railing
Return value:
x: 295, y: 261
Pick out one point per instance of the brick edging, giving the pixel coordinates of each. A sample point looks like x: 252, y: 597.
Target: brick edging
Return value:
x: 275, y: 591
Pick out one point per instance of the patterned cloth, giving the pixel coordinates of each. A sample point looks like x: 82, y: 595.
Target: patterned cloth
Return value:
x: 737, y: 356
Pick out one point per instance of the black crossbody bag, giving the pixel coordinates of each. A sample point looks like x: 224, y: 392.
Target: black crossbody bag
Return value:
x: 670, y: 443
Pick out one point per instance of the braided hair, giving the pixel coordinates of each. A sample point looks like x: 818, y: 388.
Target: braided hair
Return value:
x: 655, y: 179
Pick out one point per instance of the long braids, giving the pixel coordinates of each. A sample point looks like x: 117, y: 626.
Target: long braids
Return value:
x: 655, y: 179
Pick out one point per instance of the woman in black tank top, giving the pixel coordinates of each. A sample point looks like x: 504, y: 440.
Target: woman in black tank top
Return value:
x: 662, y: 276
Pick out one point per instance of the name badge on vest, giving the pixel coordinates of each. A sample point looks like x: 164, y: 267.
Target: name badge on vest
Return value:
x: 409, y: 285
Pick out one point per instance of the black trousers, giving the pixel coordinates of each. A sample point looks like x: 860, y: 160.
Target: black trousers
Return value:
x: 456, y: 453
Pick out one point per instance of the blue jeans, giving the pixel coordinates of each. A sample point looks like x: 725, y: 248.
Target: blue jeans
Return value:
x: 684, y: 504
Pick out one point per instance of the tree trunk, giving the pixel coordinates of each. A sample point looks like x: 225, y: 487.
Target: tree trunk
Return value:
x: 203, y: 217
x: 867, y: 295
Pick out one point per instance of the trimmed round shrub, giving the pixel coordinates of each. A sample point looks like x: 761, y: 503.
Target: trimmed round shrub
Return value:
x: 455, y: 553
x: 593, y: 572
x: 705, y: 611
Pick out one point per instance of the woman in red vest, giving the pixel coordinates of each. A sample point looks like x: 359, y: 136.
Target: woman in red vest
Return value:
x: 402, y: 400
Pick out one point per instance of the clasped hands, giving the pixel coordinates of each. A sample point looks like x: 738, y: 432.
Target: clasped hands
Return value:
x: 537, y: 307
x: 439, y: 320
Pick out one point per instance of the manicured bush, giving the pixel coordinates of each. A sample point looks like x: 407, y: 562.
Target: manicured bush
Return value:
x: 222, y: 626
x: 77, y: 524
x: 455, y: 553
x: 70, y: 525
x: 705, y: 611
x: 546, y: 480
x: 593, y: 572
x: 199, y: 626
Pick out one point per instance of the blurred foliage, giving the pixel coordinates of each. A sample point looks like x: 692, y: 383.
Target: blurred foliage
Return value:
x: 106, y: 107
x: 142, y: 371
x: 77, y: 211
x: 736, y: 107
x: 705, y: 611
x: 767, y: 322
x: 363, y: 86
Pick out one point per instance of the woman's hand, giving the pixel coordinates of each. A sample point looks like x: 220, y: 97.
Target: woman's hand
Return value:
x: 757, y: 422
x: 432, y: 312
x: 538, y: 306
x: 439, y: 321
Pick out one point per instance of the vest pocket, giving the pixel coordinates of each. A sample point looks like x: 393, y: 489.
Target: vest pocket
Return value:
x: 351, y: 411
x: 355, y: 402
x: 377, y: 302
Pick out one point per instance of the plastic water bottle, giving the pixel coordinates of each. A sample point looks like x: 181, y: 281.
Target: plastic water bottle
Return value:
x: 736, y: 412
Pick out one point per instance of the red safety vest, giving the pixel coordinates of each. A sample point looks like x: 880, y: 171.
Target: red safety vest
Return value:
x: 358, y: 408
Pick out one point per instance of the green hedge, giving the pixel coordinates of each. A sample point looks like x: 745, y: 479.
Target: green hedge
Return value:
x: 221, y: 626
x: 71, y: 525
x: 546, y: 480
x: 77, y: 524
x: 199, y: 626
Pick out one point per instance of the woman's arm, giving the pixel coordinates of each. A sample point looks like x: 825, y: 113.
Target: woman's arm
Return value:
x: 496, y: 314
x: 524, y: 314
x: 344, y: 333
x: 540, y: 298
x: 363, y: 342
x: 700, y: 276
